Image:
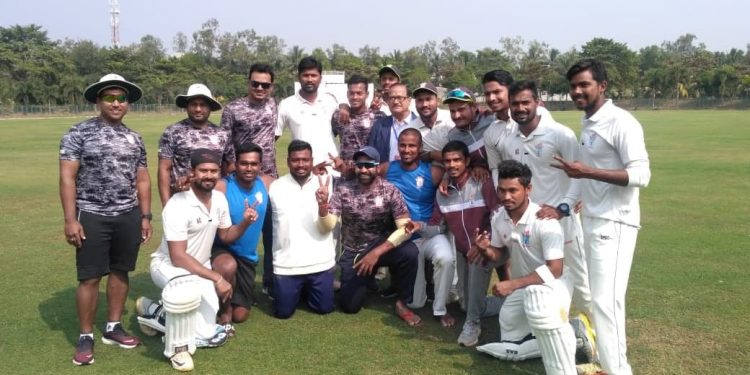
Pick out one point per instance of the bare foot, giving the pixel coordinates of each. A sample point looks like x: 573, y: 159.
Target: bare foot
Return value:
x: 407, y: 315
x: 447, y: 320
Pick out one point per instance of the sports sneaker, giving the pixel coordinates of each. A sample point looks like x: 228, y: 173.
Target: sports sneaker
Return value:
x: 585, y: 342
x: 84, y: 351
x: 229, y: 329
x: 381, y: 274
x: 219, y: 339
x: 151, y: 316
x: 182, y: 361
x: 118, y: 336
x: 470, y: 333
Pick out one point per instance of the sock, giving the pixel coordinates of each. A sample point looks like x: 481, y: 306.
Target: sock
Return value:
x: 91, y: 335
x: 111, y: 326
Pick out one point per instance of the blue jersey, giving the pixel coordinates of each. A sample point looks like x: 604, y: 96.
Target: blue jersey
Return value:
x: 416, y: 187
x: 246, y: 245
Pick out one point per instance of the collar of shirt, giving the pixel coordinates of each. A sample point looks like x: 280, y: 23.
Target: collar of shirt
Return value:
x: 193, y: 200
x: 601, y: 113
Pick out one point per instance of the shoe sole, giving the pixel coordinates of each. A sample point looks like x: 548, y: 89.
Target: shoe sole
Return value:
x: 91, y: 362
x: 113, y: 342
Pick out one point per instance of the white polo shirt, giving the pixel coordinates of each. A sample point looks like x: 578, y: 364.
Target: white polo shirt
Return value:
x: 299, y: 246
x: 443, y: 123
x: 310, y: 122
x: 550, y: 185
x: 613, y: 139
x: 531, y: 241
x: 396, y: 129
x: 185, y: 218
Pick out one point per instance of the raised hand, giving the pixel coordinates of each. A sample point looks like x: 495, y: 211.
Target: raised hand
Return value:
x: 250, y: 214
x: 574, y: 169
x: 321, y: 195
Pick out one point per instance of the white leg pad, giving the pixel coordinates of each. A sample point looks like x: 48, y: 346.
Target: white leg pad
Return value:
x: 547, y: 314
x: 512, y: 351
x: 181, y: 299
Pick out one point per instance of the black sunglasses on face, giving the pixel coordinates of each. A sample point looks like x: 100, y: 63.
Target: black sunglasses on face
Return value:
x: 263, y: 85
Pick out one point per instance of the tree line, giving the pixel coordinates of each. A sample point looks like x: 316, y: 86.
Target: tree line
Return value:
x: 35, y: 70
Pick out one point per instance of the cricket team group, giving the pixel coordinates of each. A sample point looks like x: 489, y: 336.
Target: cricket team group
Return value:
x: 431, y: 202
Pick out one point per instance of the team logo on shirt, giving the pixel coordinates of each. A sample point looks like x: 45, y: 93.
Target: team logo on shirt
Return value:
x: 378, y: 201
x: 517, y: 152
x: 198, y: 221
x: 538, y: 149
x: 419, y: 181
x: 130, y: 138
x: 526, y: 238
x: 589, y: 141
x: 259, y: 197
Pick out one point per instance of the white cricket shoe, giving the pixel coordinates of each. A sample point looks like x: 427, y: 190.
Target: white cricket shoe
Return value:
x: 182, y: 361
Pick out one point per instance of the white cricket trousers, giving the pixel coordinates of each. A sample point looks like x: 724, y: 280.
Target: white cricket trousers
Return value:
x: 574, y: 261
x: 514, y: 325
x: 162, y: 272
x: 610, y: 246
x: 439, y: 251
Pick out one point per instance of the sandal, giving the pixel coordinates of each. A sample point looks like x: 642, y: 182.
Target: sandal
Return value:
x: 407, y: 315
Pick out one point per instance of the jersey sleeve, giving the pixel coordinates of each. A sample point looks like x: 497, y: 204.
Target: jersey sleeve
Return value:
x: 71, y: 145
x: 175, y: 223
x: 225, y: 221
x: 551, y: 236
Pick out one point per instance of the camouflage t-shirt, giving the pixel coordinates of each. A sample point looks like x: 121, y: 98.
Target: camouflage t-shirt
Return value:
x: 366, y: 214
x: 179, y: 140
x: 109, y: 157
x: 248, y: 122
x: 354, y: 135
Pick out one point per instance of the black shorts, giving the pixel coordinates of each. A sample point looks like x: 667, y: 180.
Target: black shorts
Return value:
x: 111, y: 243
x: 244, y: 289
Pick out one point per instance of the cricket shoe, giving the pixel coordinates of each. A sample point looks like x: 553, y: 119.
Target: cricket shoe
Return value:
x: 470, y: 333
x: 151, y: 316
x: 118, y: 336
x: 84, y: 351
x: 585, y: 341
x: 219, y: 339
x: 182, y: 361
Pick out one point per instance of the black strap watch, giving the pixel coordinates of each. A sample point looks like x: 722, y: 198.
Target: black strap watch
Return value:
x: 149, y: 216
x: 564, y: 209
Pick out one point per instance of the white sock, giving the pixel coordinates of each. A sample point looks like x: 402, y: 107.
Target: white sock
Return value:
x: 91, y: 335
x: 111, y: 326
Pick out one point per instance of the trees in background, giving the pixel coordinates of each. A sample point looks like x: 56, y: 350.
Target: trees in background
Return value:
x: 35, y: 70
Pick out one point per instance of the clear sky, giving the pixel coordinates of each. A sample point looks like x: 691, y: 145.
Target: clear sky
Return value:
x: 399, y: 24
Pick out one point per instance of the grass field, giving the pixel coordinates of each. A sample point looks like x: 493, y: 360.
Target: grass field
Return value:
x: 688, y: 299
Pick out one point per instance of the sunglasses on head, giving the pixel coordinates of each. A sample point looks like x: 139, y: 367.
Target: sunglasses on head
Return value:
x: 366, y: 164
x: 263, y: 85
x: 111, y: 98
x: 459, y: 94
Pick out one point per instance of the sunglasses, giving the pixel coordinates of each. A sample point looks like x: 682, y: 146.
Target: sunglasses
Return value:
x: 366, y: 164
x: 111, y: 98
x: 263, y: 85
x: 460, y: 95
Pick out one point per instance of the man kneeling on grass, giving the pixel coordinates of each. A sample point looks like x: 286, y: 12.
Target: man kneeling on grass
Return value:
x: 375, y: 231
x: 181, y: 266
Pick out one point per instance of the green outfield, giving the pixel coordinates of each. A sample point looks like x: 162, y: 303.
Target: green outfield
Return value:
x: 688, y: 298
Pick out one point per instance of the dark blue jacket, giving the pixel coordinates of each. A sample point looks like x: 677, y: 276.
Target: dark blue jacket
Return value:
x: 380, y: 136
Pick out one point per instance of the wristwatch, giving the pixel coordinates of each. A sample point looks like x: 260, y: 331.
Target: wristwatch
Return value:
x: 564, y: 209
x: 149, y: 216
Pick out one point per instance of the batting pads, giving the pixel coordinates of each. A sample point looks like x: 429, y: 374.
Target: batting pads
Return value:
x: 547, y: 312
x: 181, y: 298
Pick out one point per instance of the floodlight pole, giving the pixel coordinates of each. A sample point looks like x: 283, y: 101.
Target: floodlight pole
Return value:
x: 114, y: 22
